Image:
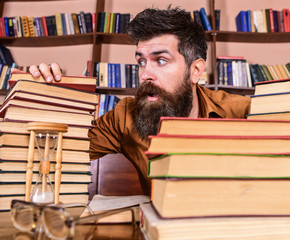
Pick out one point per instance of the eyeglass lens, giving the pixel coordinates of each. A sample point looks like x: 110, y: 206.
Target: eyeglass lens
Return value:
x: 23, y: 217
x: 57, y: 223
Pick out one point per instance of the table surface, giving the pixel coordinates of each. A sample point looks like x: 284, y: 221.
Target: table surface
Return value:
x: 84, y: 232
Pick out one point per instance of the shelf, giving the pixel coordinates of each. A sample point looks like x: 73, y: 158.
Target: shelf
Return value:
x: 250, y: 37
x: 122, y: 38
x: 116, y: 91
x: 48, y: 41
x: 237, y: 90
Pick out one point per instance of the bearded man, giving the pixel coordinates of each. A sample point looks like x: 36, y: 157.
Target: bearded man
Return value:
x: 171, y: 54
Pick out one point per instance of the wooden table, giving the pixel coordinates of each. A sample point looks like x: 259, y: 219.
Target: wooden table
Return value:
x: 84, y: 232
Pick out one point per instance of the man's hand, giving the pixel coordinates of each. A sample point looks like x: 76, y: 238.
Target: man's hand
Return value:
x: 50, y: 72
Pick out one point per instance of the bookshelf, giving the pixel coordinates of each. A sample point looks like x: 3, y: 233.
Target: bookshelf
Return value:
x: 98, y: 40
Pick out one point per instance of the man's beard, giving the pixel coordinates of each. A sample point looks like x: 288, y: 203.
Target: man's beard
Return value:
x: 147, y: 114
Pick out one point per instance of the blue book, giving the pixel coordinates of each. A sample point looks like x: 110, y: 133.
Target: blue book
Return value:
x: 117, y: 26
x: 205, y: 20
x: 248, y: 21
x: 102, y: 105
x: 110, y: 73
x: 230, y: 73
x: 106, y: 104
x: 196, y: 16
x: 241, y: 22
x: 117, y: 72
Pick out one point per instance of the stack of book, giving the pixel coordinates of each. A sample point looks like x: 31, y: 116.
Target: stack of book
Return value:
x: 30, y: 101
x: 271, y: 100
x: 211, y: 175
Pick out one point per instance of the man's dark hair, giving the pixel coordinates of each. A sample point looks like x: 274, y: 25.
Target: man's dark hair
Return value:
x: 155, y: 22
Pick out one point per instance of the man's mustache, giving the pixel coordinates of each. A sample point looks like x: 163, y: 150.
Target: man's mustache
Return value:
x: 149, y: 89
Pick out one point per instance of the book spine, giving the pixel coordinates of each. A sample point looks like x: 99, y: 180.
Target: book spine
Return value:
x: 205, y: 20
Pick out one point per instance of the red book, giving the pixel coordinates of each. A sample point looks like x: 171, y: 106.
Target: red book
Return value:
x: 286, y: 19
x: 94, y: 21
x: 43, y: 21
x: 271, y: 18
x: 2, y: 28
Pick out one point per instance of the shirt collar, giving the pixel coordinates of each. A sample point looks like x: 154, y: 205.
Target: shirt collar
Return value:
x: 207, y: 109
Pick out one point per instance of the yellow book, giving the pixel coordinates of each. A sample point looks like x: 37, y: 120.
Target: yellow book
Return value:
x: 58, y: 24
x: 31, y: 23
x: 282, y: 71
x: 25, y: 26
x: 277, y: 71
x: 286, y: 70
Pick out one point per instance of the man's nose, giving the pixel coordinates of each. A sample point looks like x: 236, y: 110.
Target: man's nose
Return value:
x: 147, y: 73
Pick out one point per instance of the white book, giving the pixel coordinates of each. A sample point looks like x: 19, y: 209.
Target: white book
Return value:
x: 249, y: 78
x: 71, y: 25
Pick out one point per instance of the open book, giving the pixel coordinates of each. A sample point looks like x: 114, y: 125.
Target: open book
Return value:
x: 101, y: 203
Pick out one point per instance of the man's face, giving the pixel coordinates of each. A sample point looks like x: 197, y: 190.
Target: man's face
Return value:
x: 161, y: 63
x: 165, y: 86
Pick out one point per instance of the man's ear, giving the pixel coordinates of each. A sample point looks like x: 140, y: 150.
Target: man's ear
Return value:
x: 196, y: 69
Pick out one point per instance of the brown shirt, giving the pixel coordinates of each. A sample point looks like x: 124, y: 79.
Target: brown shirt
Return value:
x: 114, y: 131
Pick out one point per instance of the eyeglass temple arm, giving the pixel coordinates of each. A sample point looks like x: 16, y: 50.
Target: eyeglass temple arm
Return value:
x: 98, y: 216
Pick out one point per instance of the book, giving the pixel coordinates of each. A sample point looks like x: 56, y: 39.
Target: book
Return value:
x: 22, y: 140
x: 203, y: 165
x: 18, y: 188
x: 19, y: 176
x: 18, y: 165
x: 222, y: 126
x: 63, y: 197
x: 220, y: 197
x: 76, y: 82
x: 217, y: 14
x: 205, y: 20
x: 166, y: 143
x: 154, y: 227
x: 241, y: 22
x: 270, y: 103
x: 53, y: 90
x: 196, y: 15
x: 31, y: 104
x: 21, y: 113
x: 20, y: 154
x: 51, y: 25
x: 32, y: 97
x: 101, y: 203
x: 270, y: 116
x: 274, y: 86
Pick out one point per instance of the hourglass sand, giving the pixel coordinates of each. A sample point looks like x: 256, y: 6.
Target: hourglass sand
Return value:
x: 46, y: 136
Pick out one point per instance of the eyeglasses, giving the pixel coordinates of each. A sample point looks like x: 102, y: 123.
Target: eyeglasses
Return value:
x: 58, y: 221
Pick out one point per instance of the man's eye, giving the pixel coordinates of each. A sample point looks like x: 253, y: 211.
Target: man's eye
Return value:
x: 141, y: 63
x: 161, y: 61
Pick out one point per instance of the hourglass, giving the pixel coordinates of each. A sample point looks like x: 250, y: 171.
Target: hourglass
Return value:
x: 47, y: 136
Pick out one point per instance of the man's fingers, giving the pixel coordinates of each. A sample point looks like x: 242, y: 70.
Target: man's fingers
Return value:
x: 33, y: 69
x: 56, y: 71
x: 46, y: 73
x: 16, y: 70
